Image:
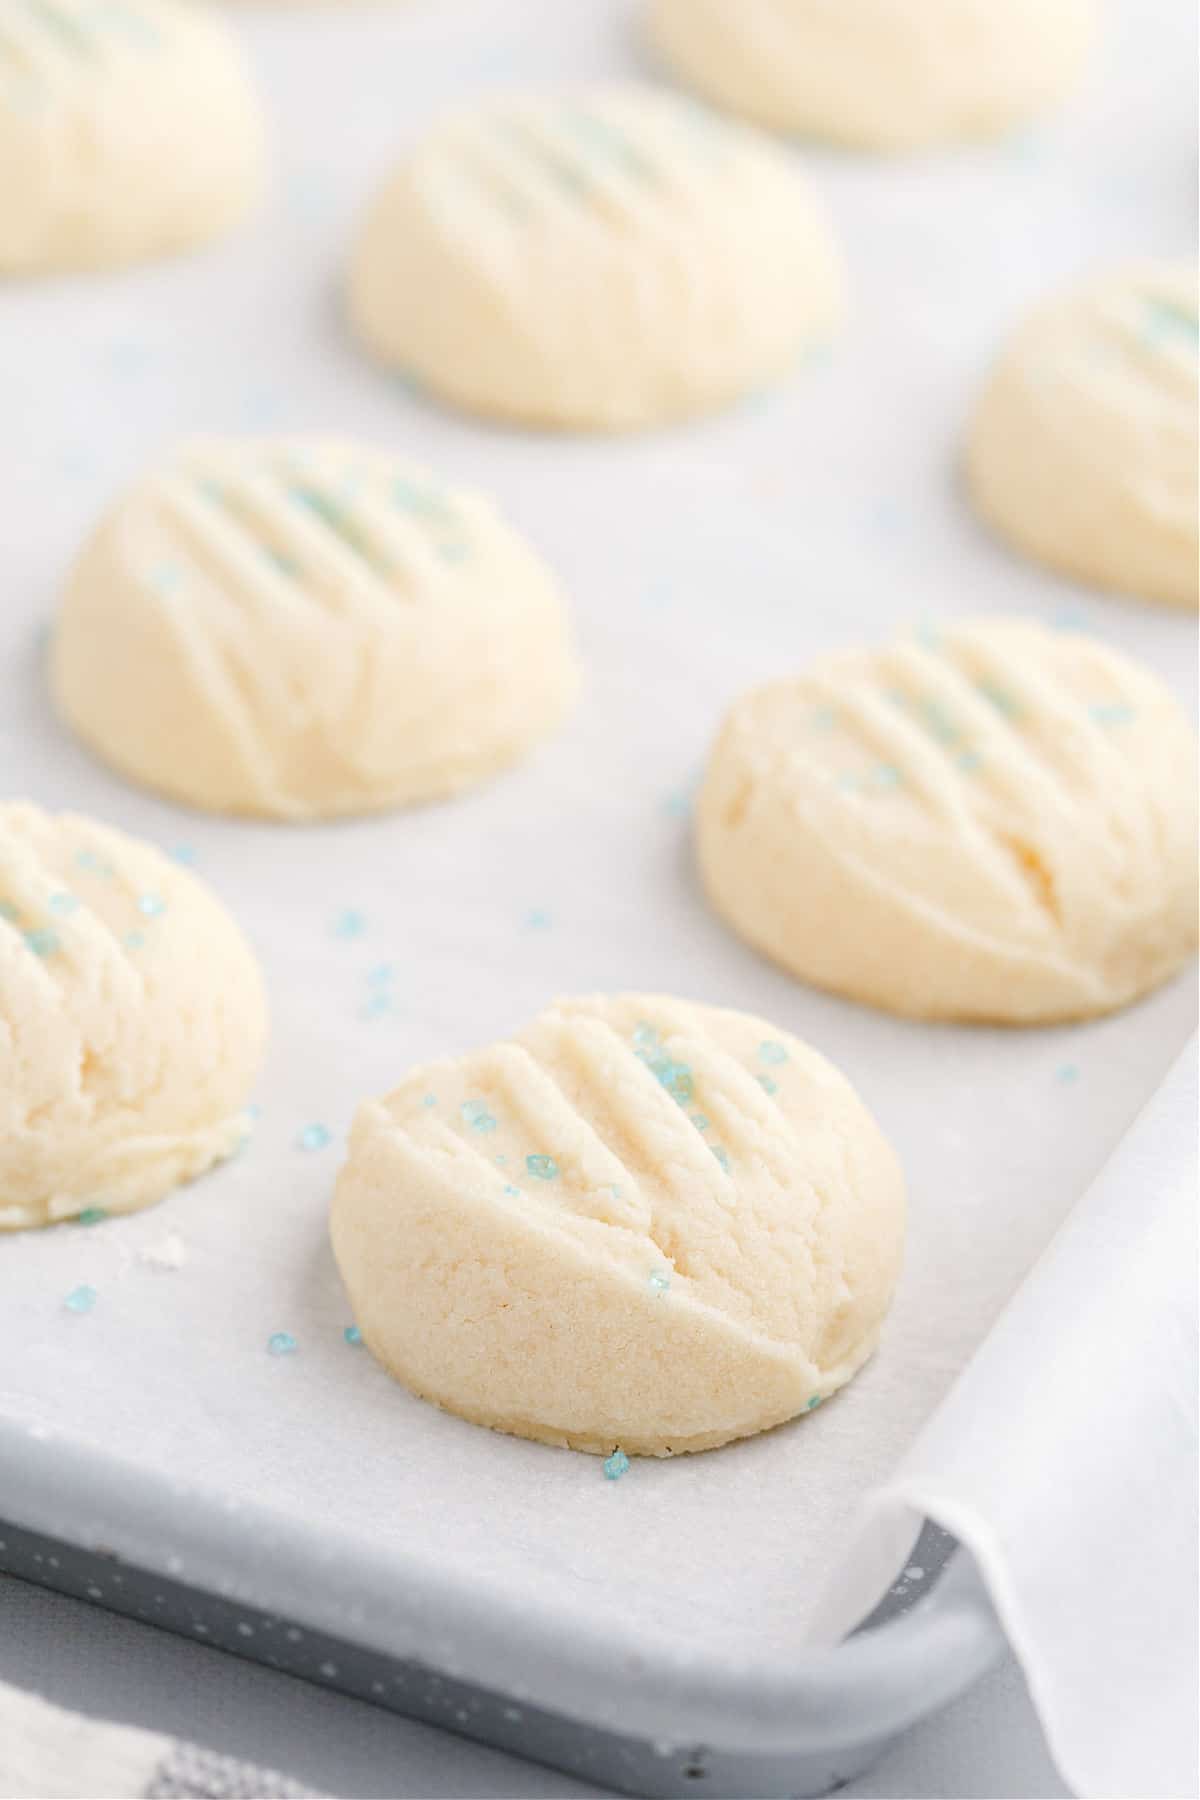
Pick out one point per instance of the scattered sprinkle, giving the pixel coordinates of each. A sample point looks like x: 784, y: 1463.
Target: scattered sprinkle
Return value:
x: 1115, y: 713
x: 767, y: 1085
x: 349, y: 924
x: 92, y: 1215
x: 677, y: 804
x: 353, y: 1336
x: 1165, y: 319
x: 183, y: 853
x: 772, y: 1052
x: 615, y: 1465
x: 429, y: 1100
x: 378, y: 1005
x: 814, y: 1403
x: 644, y: 1036
x: 81, y: 1299
x: 381, y: 975
x: 659, y: 1282
x: 701, y: 1121
x: 477, y: 1116
x: 1000, y: 698
x: 887, y: 775
x: 281, y: 1343
x: 722, y: 1156
x: 134, y: 940
x: 64, y: 904
x: 88, y: 859
x: 166, y: 577
x: 314, y: 1137
x: 151, y: 905
x: 676, y: 1077
x: 544, y: 1167
x: 537, y: 920
x: 43, y: 941
x: 512, y: 1192
x: 1066, y: 1074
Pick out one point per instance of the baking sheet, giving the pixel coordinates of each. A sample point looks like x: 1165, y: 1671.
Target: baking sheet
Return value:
x: 697, y: 561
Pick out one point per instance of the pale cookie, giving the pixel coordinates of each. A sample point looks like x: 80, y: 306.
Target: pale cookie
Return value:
x: 876, y: 74
x: 993, y: 821
x: 128, y: 129
x: 639, y: 1223
x: 132, y: 1021
x: 1083, y: 447
x: 299, y: 629
x: 612, y: 258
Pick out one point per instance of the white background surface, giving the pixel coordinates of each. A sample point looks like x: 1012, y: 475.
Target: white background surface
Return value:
x: 696, y: 561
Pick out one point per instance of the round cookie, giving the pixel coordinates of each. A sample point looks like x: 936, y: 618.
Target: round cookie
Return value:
x: 607, y: 259
x: 639, y: 1223
x: 992, y: 822
x: 1083, y: 448
x: 132, y: 1021
x: 299, y: 629
x: 876, y: 74
x: 128, y: 129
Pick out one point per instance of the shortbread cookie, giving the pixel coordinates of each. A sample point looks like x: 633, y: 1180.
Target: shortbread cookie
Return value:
x: 877, y: 74
x: 611, y: 258
x: 301, y: 629
x: 128, y: 129
x: 990, y: 821
x: 1083, y: 447
x: 639, y: 1223
x: 132, y: 1021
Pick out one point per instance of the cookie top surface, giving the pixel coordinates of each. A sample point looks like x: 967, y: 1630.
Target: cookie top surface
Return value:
x: 1083, y: 447
x: 302, y: 628
x: 132, y: 1020
x: 635, y: 1164
x: 606, y: 257
x: 879, y: 74
x: 989, y: 819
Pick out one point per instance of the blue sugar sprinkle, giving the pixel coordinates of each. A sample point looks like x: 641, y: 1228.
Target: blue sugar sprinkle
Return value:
x: 281, y: 1343
x: 644, y: 1036
x: 969, y: 761
x: 676, y: 1077
x: 151, y: 905
x: 537, y: 920
x: 659, y: 1282
x: 1000, y: 698
x: 500, y: 1161
x: 887, y: 775
x: 939, y: 722
x: 81, y: 1299
x: 314, y: 1137
x: 767, y: 1085
x: 615, y: 1465
x: 91, y: 1215
x: 381, y: 974
x: 43, y: 942
x: 429, y: 1100
x: 772, y: 1053
x: 477, y: 1116
x: 722, y: 1156
x: 1067, y: 1074
x: 1166, y: 320
x: 353, y: 1336
x: 677, y: 804
x: 1113, y: 714
x: 349, y: 924
x: 183, y: 853
x: 700, y: 1121
x: 88, y: 859
x: 166, y: 577
x: 133, y: 940
x: 378, y: 1005
x: 64, y: 904
x: 512, y: 1192
x: 814, y: 1403
x: 544, y: 1167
